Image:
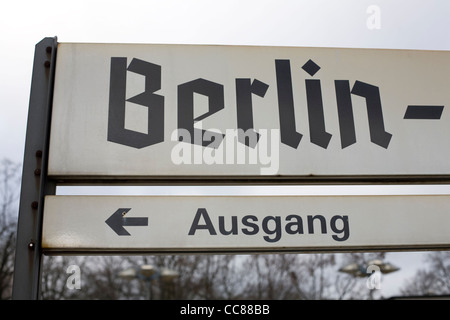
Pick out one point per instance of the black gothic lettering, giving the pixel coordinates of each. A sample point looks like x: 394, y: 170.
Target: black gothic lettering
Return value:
x: 374, y: 112
x: 345, y: 113
x: 288, y: 133
x: 244, y: 90
x: 155, y: 103
x: 318, y: 135
x: 214, y: 92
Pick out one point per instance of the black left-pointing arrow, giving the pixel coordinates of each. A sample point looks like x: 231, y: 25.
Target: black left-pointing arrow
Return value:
x: 117, y: 221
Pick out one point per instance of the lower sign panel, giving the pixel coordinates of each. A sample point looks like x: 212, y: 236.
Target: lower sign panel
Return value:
x: 244, y: 224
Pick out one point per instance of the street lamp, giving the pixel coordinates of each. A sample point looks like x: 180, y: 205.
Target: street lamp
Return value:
x: 370, y: 270
x: 359, y: 270
x: 148, y: 273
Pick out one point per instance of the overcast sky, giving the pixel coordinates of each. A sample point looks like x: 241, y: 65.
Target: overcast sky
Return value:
x: 399, y: 24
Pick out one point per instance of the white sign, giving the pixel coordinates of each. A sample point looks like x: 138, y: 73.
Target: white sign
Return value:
x: 241, y: 111
x: 244, y: 223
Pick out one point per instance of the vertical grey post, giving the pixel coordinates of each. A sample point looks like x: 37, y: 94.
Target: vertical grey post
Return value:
x: 35, y: 184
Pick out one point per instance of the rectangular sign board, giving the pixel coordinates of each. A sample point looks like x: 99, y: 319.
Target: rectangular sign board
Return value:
x: 171, y: 224
x: 183, y: 111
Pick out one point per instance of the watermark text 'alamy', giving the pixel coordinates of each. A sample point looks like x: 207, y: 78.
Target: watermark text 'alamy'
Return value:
x: 231, y: 150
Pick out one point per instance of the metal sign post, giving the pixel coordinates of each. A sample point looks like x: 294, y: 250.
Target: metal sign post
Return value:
x: 35, y: 183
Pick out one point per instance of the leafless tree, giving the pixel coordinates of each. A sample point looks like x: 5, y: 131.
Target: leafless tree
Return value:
x: 199, y: 276
x: 98, y: 275
x: 256, y: 277
x: 348, y: 286
x: 54, y: 277
x: 304, y: 276
x: 268, y: 276
x: 432, y: 280
x: 9, y: 194
x: 102, y: 281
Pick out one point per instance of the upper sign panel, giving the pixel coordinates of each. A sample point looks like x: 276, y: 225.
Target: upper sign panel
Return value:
x: 178, y: 111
